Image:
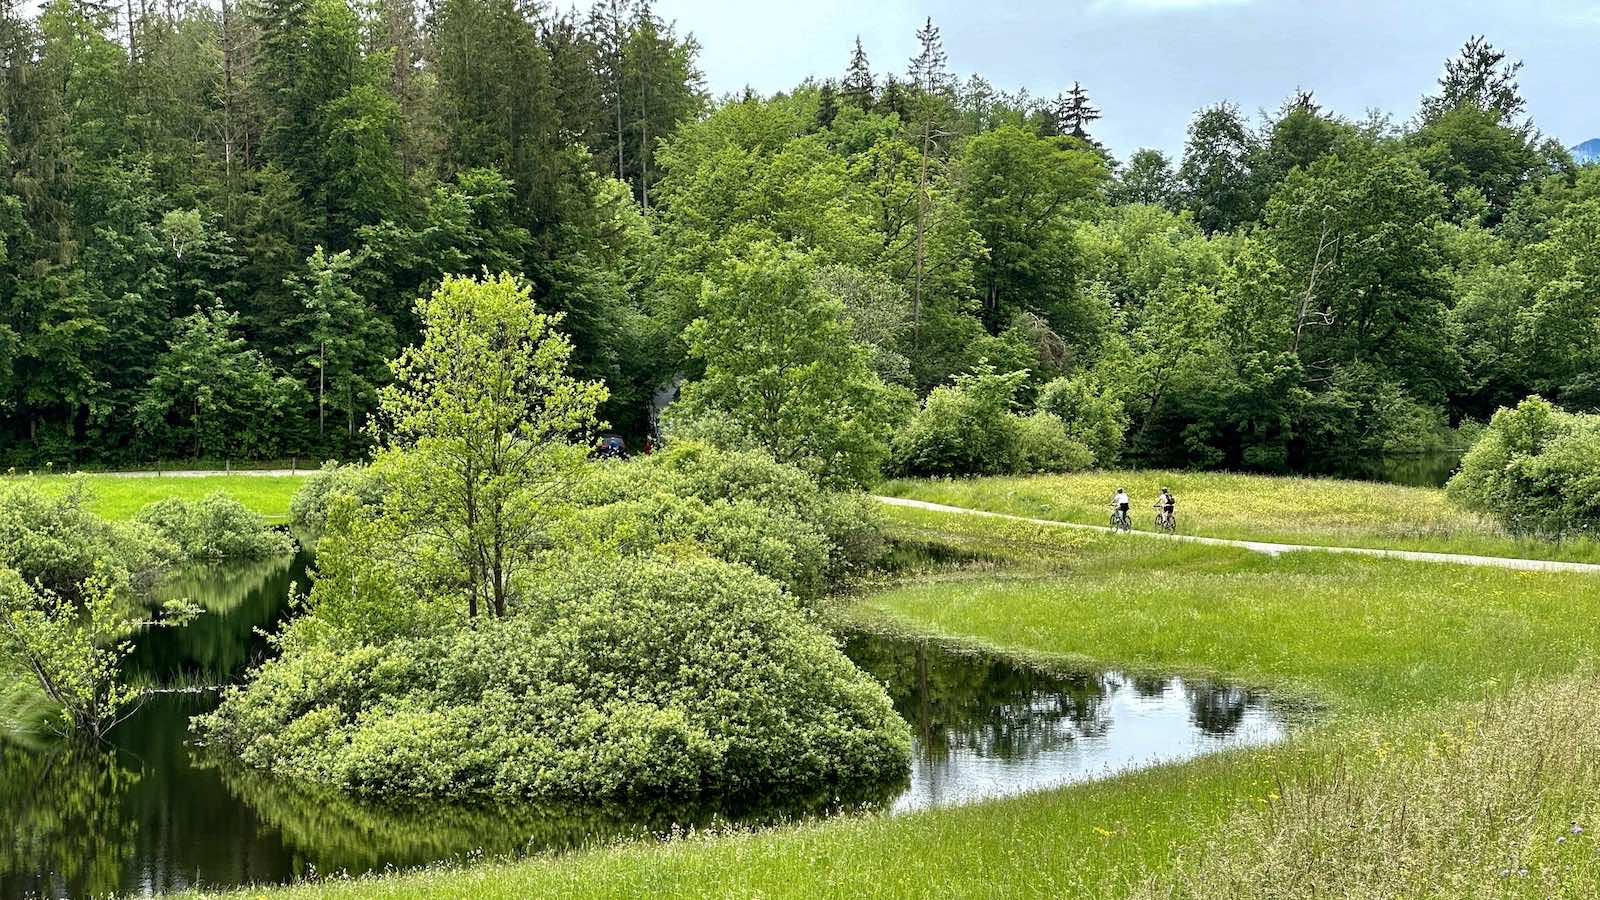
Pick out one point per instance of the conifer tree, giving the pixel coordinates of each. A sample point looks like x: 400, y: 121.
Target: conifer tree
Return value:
x: 858, y: 87
x: 1074, y: 112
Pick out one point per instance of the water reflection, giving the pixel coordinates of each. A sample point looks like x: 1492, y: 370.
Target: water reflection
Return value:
x: 153, y: 814
x: 241, y: 601
x: 985, y: 727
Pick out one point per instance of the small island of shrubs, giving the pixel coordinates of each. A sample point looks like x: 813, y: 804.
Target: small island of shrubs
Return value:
x: 497, y: 617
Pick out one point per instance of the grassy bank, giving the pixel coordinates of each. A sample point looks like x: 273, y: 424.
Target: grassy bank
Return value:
x: 119, y: 498
x: 1438, y: 685
x: 1318, y: 511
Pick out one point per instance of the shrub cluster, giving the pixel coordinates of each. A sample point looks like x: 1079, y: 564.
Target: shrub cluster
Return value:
x: 739, y: 506
x: 970, y: 428
x: 52, y: 541
x: 308, y: 510
x: 641, y: 676
x: 213, y: 528
x: 1536, y: 469
x: 664, y: 647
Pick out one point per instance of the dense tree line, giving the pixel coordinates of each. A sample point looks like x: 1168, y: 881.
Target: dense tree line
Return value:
x: 217, y: 222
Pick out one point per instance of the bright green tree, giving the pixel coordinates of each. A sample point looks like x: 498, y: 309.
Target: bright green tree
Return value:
x: 782, y: 370
x: 483, y: 432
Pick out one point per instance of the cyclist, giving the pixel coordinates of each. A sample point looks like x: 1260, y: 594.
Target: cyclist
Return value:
x: 1119, y: 509
x: 1166, y: 505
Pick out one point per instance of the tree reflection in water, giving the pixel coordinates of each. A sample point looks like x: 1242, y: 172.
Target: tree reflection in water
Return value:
x: 66, y: 831
x: 153, y: 814
x: 240, y: 601
x: 988, y: 727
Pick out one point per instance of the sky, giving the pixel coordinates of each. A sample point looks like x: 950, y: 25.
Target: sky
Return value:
x: 1149, y: 64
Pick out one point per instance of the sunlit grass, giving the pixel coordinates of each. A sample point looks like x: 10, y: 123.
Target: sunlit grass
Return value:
x: 120, y: 498
x: 1319, y: 511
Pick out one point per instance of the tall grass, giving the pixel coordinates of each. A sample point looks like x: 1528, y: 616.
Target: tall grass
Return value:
x: 1318, y: 511
x: 1504, y: 803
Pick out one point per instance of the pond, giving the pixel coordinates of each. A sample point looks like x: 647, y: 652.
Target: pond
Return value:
x: 1430, y: 470
x: 150, y: 814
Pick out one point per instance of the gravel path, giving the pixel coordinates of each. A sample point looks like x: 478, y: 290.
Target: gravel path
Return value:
x: 1274, y: 549
x: 203, y: 473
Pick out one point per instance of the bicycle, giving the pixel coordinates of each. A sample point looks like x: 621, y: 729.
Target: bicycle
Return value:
x: 1120, y: 520
x: 1166, y: 520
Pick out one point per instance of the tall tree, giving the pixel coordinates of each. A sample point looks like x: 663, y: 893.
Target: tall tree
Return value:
x: 929, y: 74
x: 483, y: 430
x: 858, y: 87
x: 1215, y: 174
x: 1480, y: 77
x: 1074, y: 113
x: 344, y: 341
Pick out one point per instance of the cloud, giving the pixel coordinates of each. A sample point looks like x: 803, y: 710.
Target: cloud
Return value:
x: 1160, y: 6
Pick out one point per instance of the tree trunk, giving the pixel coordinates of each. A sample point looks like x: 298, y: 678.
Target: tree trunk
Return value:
x: 322, y: 389
x: 922, y: 219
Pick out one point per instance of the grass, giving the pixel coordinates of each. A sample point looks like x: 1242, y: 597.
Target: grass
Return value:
x: 1458, y: 739
x: 119, y: 498
x: 1317, y: 511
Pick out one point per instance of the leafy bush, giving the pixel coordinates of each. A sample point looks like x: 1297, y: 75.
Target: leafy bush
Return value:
x: 1093, y: 416
x: 1043, y: 446
x: 623, y: 677
x: 740, y: 506
x: 1536, y: 469
x: 216, y: 527
x: 308, y: 510
x: 54, y: 542
x: 968, y: 428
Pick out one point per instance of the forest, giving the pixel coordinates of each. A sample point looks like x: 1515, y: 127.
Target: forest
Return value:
x: 216, y: 223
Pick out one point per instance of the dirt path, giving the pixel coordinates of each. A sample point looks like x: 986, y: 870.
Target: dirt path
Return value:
x: 1273, y: 549
x: 203, y: 473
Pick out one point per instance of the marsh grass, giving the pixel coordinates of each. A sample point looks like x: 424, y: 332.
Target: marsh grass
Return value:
x: 1316, y: 511
x: 1499, y: 803
x: 119, y: 498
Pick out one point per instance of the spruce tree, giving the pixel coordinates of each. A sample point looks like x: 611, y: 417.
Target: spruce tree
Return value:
x: 858, y: 87
x: 1074, y: 112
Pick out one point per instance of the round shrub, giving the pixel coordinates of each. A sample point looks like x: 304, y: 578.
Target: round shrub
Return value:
x: 215, y: 527
x: 1093, y: 416
x: 53, y: 541
x: 963, y: 429
x: 308, y: 510
x: 1043, y: 446
x: 969, y: 429
x: 741, y: 505
x: 646, y: 676
x: 1536, y: 469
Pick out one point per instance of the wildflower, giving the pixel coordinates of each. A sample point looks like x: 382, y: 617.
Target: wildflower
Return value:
x: 1562, y: 839
x: 1576, y: 828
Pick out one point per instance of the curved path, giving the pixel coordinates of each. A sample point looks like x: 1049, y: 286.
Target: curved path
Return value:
x: 1274, y: 549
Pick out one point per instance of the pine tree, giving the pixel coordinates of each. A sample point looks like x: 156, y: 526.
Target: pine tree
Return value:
x: 1074, y: 112
x: 858, y: 87
x: 1478, y: 76
x: 930, y: 68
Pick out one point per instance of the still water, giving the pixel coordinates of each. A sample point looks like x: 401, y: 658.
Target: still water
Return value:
x: 150, y: 813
